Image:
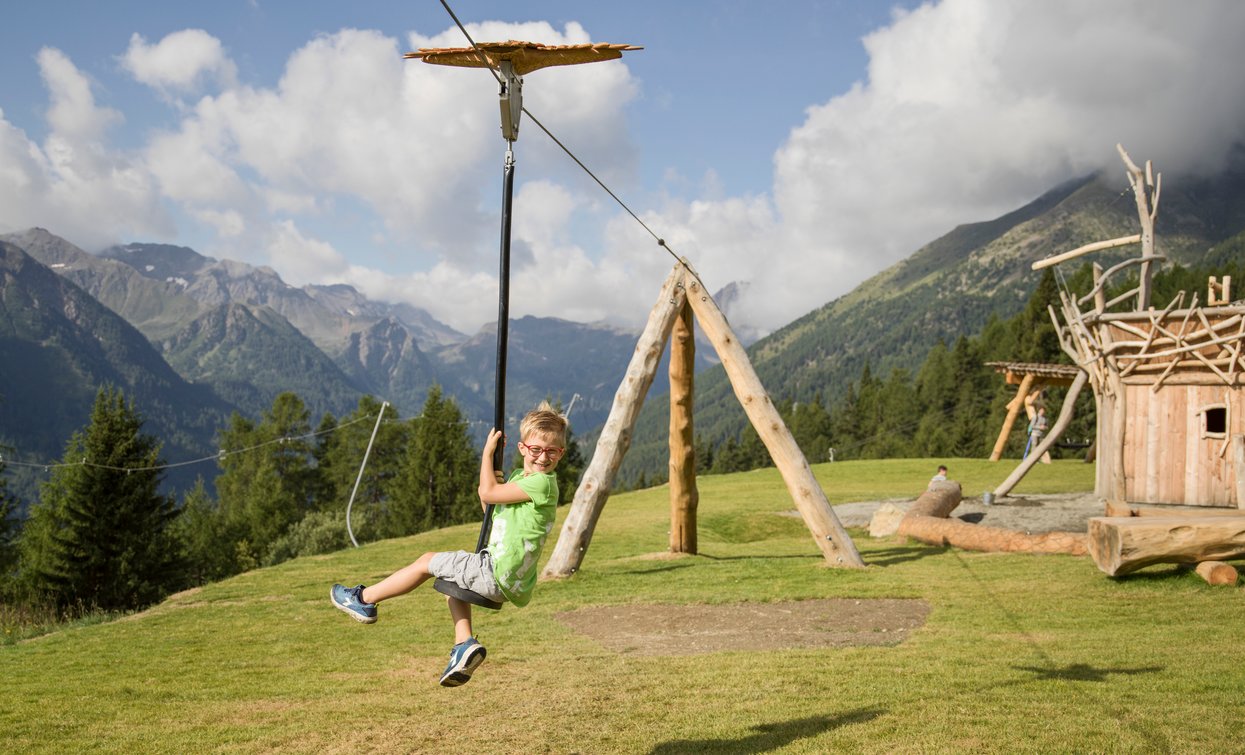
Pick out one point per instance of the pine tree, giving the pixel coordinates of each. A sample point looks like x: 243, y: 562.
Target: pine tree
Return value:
x: 100, y: 533
x: 205, y: 537
x: 340, y: 455
x: 437, y: 483
x: 267, y: 481
x: 9, y: 528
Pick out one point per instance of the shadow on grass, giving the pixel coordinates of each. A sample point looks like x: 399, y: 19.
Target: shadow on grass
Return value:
x: 892, y: 556
x: 769, y: 737
x: 1083, y: 672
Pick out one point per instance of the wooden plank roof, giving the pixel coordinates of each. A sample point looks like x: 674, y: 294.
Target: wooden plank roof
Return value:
x: 525, y: 57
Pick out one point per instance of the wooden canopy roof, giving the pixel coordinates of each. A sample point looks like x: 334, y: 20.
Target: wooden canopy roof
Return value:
x: 1049, y: 373
x: 524, y: 57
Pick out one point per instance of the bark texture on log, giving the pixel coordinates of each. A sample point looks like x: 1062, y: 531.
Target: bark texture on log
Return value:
x: 928, y: 521
x: 939, y: 500
x: 1120, y: 545
x: 824, y: 525
x: 598, y: 478
x: 684, y: 496
x: 976, y: 537
x: 1217, y: 573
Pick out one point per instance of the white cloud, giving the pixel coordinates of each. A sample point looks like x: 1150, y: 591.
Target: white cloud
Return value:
x: 179, y: 62
x: 970, y: 108
x: 76, y: 183
x: 301, y: 260
x: 974, y: 107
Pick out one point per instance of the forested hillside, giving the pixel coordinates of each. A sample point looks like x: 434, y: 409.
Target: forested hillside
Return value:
x: 949, y: 289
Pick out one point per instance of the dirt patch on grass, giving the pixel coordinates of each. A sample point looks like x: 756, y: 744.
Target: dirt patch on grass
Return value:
x: 688, y: 630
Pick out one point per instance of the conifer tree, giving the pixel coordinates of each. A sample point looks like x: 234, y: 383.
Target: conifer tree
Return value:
x: 340, y: 454
x: 267, y: 480
x: 9, y: 527
x: 437, y: 483
x: 205, y: 537
x: 99, y: 537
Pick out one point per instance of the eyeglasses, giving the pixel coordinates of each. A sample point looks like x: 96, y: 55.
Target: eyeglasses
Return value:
x: 536, y: 451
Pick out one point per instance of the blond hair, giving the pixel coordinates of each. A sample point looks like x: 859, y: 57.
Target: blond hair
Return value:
x: 545, y: 420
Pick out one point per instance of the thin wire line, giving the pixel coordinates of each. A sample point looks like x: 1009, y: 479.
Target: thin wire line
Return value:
x: 219, y: 455
x: 474, y: 46
x: 222, y: 453
x: 660, y: 241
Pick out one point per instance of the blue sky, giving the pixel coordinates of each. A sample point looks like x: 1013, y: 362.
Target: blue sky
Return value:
x: 798, y: 147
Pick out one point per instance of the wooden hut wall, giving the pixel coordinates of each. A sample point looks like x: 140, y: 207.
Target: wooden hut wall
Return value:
x: 1168, y: 455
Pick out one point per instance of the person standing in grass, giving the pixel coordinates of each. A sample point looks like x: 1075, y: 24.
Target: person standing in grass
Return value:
x: 506, y: 569
x: 941, y: 476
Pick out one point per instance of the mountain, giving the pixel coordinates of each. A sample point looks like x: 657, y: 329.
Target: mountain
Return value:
x: 249, y: 354
x: 325, y: 314
x: 948, y: 288
x: 58, y: 345
x: 551, y: 358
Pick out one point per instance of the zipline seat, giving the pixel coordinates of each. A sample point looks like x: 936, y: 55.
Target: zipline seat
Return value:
x: 465, y: 595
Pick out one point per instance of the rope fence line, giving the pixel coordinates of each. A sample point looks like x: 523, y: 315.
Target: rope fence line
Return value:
x: 219, y: 455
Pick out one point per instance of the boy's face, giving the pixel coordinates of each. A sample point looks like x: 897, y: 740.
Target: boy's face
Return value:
x: 550, y: 452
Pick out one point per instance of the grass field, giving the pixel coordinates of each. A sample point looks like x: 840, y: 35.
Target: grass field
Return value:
x: 1018, y: 654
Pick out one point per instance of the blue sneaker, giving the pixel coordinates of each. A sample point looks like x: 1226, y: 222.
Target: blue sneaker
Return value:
x: 350, y: 600
x: 465, y: 658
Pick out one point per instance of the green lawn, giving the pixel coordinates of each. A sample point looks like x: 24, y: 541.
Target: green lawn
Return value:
x: 1019, y: 653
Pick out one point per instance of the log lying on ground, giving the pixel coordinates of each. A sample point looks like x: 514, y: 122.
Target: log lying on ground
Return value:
x: 1217, y: 573
x: 1125, y: 509
x: 928, y: 522
x: 1120, y: 545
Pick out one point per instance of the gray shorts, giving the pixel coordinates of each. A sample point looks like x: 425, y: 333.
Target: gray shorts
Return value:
x: 472, y: 571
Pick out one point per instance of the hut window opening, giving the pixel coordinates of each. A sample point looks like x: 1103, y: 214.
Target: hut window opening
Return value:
x: 1215, y: 421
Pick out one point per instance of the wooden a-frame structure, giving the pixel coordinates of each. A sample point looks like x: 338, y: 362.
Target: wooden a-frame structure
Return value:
x: 682, y: 296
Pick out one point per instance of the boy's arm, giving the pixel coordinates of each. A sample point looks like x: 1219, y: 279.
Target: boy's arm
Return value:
x: 493, y: 487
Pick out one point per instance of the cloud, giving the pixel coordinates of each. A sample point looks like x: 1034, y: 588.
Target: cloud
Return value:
x: 358, y: 166
x: 972, y: 108
x: 76, y: 183
x: 179, y: 62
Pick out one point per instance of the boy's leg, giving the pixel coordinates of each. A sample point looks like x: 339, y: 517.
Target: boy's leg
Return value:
x: 460, y: 612
x: 467, y: 654
x: 400, y: 582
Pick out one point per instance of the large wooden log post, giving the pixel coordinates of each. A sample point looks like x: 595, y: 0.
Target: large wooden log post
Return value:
x: 1065, y: 416
x: 810, y: 499
x: 684, y: 497
x: 598, y: 479
x: 1120, y: 545
x: 1013, y: 410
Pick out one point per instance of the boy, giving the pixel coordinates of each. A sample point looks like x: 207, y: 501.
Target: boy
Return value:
x: 506, y: 570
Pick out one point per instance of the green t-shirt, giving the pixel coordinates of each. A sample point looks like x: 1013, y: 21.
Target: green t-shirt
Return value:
x: 519, y: 532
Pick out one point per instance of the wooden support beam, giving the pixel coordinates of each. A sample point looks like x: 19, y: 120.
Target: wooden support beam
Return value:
x: 684, y: 497
x: 1013, y: 410
x: 1061, y: 424
x: 810, y: 499
x: 1097, y: 246
x: 598, y: 479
